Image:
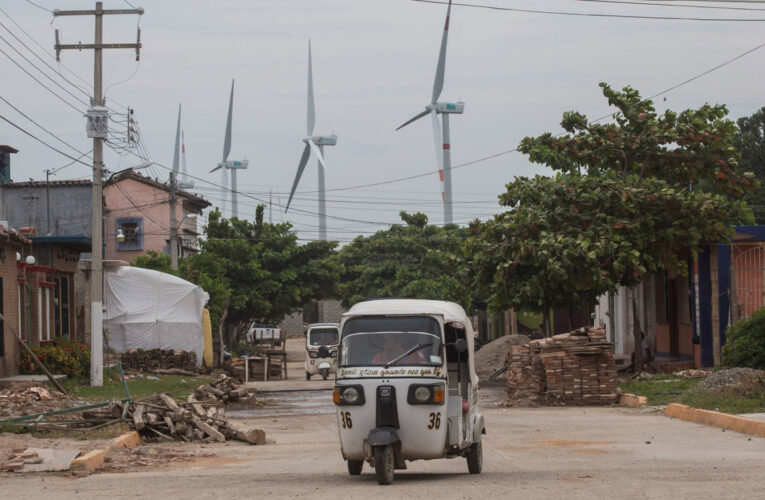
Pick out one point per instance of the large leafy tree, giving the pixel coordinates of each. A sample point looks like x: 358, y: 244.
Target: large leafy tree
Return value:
x: 750, y: 141
x: 412, y: 260
x: 622, y: 204
x: 268, y: 272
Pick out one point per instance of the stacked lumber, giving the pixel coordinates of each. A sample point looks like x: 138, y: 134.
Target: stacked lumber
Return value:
x: 200, y: 418
x: 572, y: 368
x: 147, y: 360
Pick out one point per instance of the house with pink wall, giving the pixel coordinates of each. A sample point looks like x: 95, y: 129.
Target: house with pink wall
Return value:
x: 138, y: 208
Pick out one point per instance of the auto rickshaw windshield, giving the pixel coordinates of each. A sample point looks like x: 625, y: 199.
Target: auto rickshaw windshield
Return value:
x: 323, y: 336
x: 384, y: 348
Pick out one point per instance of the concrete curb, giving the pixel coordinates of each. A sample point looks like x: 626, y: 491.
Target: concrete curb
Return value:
x: 716, y: 419
x: 93, y: 460
x: 632, y: 400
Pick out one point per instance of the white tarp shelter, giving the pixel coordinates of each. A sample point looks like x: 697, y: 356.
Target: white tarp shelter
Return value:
x: 147, y: 309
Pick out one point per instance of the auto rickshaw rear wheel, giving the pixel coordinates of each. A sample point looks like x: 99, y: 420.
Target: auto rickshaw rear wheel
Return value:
x: 355, y: 466
x: 475, y: 458
x: 385, y: 464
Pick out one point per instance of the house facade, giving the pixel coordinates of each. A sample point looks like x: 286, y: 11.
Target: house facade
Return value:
x: 137, y: 213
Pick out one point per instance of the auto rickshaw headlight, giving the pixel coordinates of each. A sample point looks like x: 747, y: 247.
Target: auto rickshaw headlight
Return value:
x: 422, y: 394
x: 348, y: 395
x: 425, y: 394
x: 351, y: 395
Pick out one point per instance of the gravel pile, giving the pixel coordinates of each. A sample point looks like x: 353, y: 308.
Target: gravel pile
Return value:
x: 493, y: 356
x: 734, y: 381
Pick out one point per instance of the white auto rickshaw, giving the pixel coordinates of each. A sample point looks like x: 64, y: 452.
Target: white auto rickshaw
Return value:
x: 406, y: 387
x: 321, y: 341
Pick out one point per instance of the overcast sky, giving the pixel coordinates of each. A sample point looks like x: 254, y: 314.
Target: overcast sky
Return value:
x: 373, y: 63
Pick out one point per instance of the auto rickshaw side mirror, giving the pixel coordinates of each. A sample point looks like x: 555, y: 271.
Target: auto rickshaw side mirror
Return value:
x: 460, y: 345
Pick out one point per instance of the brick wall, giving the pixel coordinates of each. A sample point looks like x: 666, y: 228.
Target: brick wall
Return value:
x: 9, y: 359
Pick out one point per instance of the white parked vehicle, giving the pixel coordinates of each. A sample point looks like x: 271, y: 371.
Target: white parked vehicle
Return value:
x: 406, y: 387
x: 260, y: 333
x: 321, y: 341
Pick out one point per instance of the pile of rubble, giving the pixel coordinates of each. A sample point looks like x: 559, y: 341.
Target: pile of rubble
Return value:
x: 16, y: 401
x: 159, y: 359
x: 200, y: 418
x: 572, y: 368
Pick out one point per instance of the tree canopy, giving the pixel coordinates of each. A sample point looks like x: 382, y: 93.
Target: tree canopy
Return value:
x: 414, y: 260
x: 750, y: 142
x: 622, y: 204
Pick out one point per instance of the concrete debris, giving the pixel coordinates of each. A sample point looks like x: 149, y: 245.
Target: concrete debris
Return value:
x: 40, y: 460
x: 575, y: 368
x: 15, y: 401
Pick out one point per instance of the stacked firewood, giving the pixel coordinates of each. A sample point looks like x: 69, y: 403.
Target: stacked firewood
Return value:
x: 200, y: 418
x: 158, y: 359
x: 571, y: 368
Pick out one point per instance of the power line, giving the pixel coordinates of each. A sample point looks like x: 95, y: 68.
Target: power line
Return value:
x: 591, y: 14
x: 58, y: 72
x: 624, y: 2
x: 43, y: 142
x: 30, y: 2
x: 43, y: 128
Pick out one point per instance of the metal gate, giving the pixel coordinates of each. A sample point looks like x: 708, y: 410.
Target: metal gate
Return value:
x: 747, y: 274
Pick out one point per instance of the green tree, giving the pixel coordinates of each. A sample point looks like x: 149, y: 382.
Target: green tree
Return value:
x: 621, y: 205
x: 413, y: 260
x: 750, y: 141
x: 253, y: 270
x: 268, y: 272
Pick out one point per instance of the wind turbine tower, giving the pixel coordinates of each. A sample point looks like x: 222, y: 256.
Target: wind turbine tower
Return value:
x: 441, y: 137
x: 229, y: 166
x: 316, y: 144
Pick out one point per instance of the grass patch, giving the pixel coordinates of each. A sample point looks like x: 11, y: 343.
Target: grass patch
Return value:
x: 180, y: 386
x: 665, y: 389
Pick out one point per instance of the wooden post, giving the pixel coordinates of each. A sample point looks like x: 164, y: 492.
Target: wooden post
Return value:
x: 39, y: 363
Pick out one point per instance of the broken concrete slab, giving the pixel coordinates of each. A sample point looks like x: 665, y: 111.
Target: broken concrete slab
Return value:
x: 51, y: 460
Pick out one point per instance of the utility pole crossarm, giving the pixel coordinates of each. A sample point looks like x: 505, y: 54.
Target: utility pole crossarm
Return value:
x: 108, y: 12
x: 81, y: 46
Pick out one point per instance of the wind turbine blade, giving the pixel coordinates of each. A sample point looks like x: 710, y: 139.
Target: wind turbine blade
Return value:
x: 216, y: 168
x: 177, y: 143
x: 301, y: 167
x: 227, y: 140
x: 438, y: 83
x: 413, y: 119
x: 317, y: 152
x: 311, y: 110
x: 439, y: 144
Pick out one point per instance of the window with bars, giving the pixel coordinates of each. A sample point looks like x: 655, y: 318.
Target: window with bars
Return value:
x: 132, y: 229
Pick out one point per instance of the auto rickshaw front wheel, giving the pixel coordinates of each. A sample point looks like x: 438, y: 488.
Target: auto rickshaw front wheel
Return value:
x: 355, y: 466
x: 385, y: 463
x: 475, y: 458
x: 307, y: 376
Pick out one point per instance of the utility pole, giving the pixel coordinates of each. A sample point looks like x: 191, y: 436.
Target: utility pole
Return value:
x: 98, y: 127
x: 173, y: 222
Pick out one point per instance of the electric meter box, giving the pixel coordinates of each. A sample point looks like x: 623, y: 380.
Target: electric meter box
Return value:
x: 98, y: 123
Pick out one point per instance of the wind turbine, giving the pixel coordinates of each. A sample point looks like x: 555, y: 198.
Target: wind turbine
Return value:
x: 184, y: 182
x: 233, y: 165
x: 316, y: 144
x: 442, y: 144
